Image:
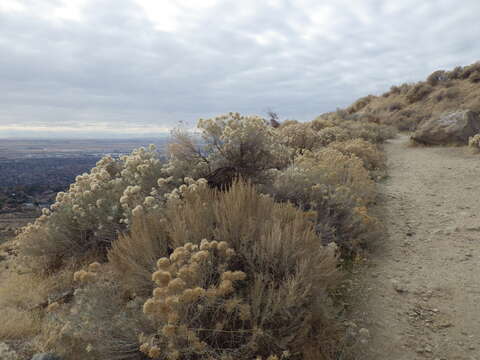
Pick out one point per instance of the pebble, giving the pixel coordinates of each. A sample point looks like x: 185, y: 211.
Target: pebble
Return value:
x: 398, y: 287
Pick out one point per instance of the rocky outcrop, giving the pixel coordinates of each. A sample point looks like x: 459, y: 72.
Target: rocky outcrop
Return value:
x: 449, y: 128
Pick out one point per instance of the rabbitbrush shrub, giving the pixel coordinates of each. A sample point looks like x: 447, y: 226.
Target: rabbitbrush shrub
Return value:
x: 87, y: 217
x: 246, y: 144
x: 373, y: 159
x: 339, y: 189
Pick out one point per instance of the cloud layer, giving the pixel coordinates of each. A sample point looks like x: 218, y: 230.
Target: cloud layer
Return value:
x: 104, y: 67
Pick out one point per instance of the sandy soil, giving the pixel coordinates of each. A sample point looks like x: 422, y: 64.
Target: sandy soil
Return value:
x: 420, y: 296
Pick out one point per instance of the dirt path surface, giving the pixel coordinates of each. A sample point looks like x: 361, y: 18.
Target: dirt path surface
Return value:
x: 421, y: 290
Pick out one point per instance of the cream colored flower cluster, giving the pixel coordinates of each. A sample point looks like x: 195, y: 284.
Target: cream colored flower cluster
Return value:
x: 191, y: 284
x: 474, y: 142
x: 299, y: 136
x: 102, y: 201
x: 239, y: 141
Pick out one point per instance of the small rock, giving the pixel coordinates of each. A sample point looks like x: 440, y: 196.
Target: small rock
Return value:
x: 398, y: 287
x: 46, y: 356
x: 363, y: 332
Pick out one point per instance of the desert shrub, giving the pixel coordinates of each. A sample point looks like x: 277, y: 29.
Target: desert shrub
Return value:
x: 418, y: 92
x: 373, y: 159
x: 395, y: 106
x: 394, y: 90
x: 455, y: 74
x: 331, y: 134
x: 320, y: 123
x: 474, y: 143
x: 251, y: 288
x: 437, y: 77
x: 360, y: 104
x: 475, y: 76
x: 469, y: 70
x: 245, y: 144
x: 87, y: 217
x: 299, y: 136
x: 100, y: 323
x: 369, y: 131
x: 338, y: 188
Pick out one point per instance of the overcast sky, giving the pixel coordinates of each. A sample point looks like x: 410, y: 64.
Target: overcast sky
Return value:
x: 132, y: 67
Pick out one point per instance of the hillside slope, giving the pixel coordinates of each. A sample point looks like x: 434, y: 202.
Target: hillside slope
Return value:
x: 407, y: 105
x: 421, y: 292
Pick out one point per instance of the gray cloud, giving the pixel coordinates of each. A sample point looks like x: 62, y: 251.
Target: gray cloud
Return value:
x: 116, y: 69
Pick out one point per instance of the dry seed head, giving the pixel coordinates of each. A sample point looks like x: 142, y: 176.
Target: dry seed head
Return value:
x: 176, y: 285
x: 159, y: 293
x: 172, y: 301
x: 169, y: 330
x: 144, y: 348
x: 150, y: 306
x: 222, y: 246
x: 230, y: 252
x: 83, y: 276
x: 204, y: 244
x: 163, y: 263
x: 200, y: 256
x: 154, y: 352
x: 226, y: 287
x: 173, y: 317
x: 53, y: 306
x: 161, y: 278
x: 94, y: 267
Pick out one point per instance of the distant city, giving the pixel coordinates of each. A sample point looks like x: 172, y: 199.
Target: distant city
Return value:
x: 33, y: 171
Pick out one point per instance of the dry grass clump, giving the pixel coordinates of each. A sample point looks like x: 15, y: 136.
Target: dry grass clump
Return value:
x: 373, y: 159
x: 101, y: 322
x: 339, y: 189
x: 474, y: 143
x: 22, y: 297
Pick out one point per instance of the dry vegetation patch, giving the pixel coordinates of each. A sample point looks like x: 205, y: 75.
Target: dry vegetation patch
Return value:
x: 229, y: 249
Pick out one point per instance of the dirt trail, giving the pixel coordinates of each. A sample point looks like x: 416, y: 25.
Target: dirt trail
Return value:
x: 421, y: 291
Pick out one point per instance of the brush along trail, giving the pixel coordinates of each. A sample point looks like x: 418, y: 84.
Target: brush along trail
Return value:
x: 419, y: 296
